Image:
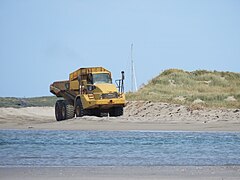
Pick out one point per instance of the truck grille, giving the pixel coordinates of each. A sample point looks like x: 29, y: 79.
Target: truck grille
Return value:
x: 110, y: 95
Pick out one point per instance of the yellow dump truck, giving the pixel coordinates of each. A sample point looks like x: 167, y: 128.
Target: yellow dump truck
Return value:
x: 89, y: 91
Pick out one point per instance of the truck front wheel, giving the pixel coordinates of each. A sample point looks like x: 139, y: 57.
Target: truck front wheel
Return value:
x: 116, y: 111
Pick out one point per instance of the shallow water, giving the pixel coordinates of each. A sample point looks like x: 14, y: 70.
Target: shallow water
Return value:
x: 117, y: 148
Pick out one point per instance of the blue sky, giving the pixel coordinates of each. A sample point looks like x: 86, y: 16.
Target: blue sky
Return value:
x: 42, y: 41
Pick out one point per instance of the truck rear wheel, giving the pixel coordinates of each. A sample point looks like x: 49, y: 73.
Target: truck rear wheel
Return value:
x: 116, y: 111
x: 63, y: 110
x: 59, y: 114
x: 69, y: 110
x: 79, y: 108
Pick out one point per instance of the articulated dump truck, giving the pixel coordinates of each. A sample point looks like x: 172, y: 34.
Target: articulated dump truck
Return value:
x: 89, y: 91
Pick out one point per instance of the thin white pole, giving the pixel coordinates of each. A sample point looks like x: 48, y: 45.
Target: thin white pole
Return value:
x: 132, y: 81
x: 133, y: 74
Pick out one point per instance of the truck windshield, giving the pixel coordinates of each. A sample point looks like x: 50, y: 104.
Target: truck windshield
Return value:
x: 101, y: 78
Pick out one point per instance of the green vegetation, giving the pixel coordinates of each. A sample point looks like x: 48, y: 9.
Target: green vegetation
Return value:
x: 27, y: 102
x: 198, y: 88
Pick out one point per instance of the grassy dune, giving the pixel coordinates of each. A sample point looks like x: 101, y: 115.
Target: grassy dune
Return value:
x: 27, y: 102
x: 197, y: 89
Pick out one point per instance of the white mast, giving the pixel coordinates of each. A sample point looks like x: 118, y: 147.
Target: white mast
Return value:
x: 133, y: 74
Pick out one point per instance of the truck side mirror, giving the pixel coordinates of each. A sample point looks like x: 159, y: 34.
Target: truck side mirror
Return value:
x: 123, y: 77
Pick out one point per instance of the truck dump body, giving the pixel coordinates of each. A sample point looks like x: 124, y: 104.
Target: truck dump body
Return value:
x: 60, y: 90
x: 90, y: 92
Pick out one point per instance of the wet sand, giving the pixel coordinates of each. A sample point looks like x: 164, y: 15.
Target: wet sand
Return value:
x: 122, y: 173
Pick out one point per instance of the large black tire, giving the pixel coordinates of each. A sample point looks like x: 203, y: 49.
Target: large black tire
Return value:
x: 79, y: 109
x: 116, y: 111
x: 63, y: 110
x: 69, y: 110
x: 59, y: 110
x: 97, y: 112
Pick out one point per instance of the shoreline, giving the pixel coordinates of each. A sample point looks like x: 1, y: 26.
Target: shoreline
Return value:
x: 104, y: 124
x: 110, y: 130
x: 142, y: 128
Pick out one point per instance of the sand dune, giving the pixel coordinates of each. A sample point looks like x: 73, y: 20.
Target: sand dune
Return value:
x: 137, y: 116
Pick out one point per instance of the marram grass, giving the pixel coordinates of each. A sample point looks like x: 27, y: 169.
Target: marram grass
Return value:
x: 198, y: 89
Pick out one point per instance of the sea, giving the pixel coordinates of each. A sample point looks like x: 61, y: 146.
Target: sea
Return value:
x: 37, y: 148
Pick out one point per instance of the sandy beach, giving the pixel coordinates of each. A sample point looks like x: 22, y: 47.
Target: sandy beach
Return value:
x: 137, y: 116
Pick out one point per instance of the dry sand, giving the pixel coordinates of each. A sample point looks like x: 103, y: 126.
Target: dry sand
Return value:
x: 137, y: 116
